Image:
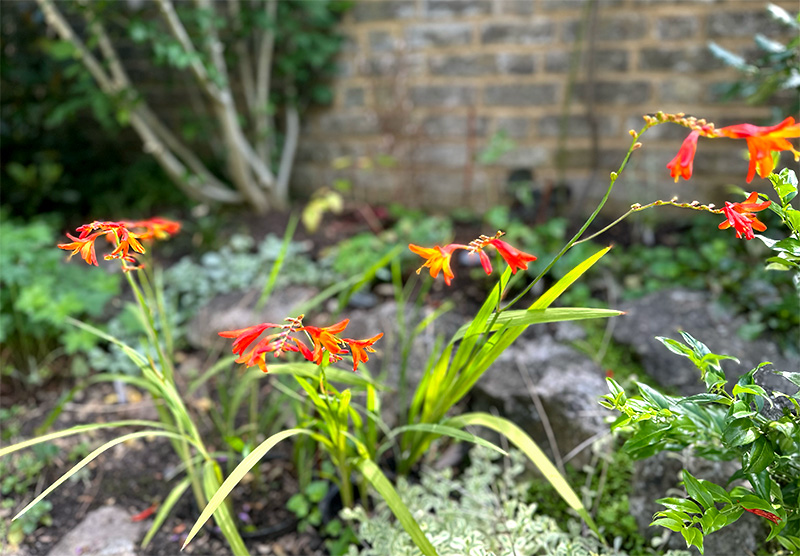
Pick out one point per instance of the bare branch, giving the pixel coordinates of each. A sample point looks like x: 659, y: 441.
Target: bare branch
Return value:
x: 245, y: 61
x: 263, y: 75
x: 179, y: 31
x: 287, y: 155
x: 58, y: 22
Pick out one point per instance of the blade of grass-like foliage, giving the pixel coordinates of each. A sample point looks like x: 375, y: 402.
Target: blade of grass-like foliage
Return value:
x: 547, y: 298
x: 237, y: 475
x: 379, y: 481
x: 444, y: 430
x: 215, y: 369
x: 212, y: 478
x: 525, y: 443
x: 85, y: 461
x: 332, y: 374
x: 134, y: 355
x: 278, y: 264
x: 79, y: 429
x: 166, y: 507
x: 539, y: 316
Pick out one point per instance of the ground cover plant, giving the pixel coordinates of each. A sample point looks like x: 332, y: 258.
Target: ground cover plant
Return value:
x: 340, y: 412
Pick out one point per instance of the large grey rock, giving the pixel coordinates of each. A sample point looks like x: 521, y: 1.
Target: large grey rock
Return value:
x: 658, y: 477
x: 237, y: 310
x: 665, y: 313
x: 566, y: 382
x: 106, y: 531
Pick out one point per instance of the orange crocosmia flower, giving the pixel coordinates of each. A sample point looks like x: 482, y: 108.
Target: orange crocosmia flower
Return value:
x: 437, y: 259
x: 156, y: 227
x: 325, y: 338
x: 762, y: 142
x: 277, y: 343
x: 681, y: 165
x: 359, y: 349
x: 515, y: 258
x: 116, y: 233
x: 741, y: 217
x: 83, y: 245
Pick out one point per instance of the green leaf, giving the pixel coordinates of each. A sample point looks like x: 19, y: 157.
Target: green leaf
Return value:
x: 212, y: 476
x: 739, y: 432
x: 237, y: 475
x: 693, y: 537
x: 380, y: 483
x: 444, y: 430
x: 696, y: 490
x: 524, y: 442
x: 88, y: 459
x: 539, y: 316
x: 759, y: 456
x: 163, y: 510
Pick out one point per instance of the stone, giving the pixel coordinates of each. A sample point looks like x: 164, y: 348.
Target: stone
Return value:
x: 612, y: 92
x: 457, y: 8
x: 384, y: 10
x: 449, y: 125
x: 675, y: 28
x: 729, y: 24
x: 236, y: 310
x: 106, y: 531
x: 577, y: 126
x: 678, y: 60
x: 441, y: 154
x: 526, y: 156
x: 655, y: 477
x: 470, y: 65
x: 441, y: 95
x: 534, y: 32
x: 664, y: 313
x: 521, y: 95
x: 438, y: 35
x: 567, y: 383
x: 518, y: 64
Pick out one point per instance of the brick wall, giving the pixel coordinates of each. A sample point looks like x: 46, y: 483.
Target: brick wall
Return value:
x: 431, y: 83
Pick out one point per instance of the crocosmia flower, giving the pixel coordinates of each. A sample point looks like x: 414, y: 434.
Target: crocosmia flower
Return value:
x: 681, y: 165
x: 156, y: 227
x: 323, y: 340
x: 116, y: 232
x: 762, y: 142
x: 438, y: 258
x: 741, y: 217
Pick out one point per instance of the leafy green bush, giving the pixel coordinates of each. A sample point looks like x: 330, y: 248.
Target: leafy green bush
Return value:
x: 37, y: 293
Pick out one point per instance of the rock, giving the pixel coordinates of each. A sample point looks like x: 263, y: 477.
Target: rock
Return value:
x: 106, y: 531
x: 237, y: 310
x: 658, y: 477
x: 665, y: 313
x: 567, y: 383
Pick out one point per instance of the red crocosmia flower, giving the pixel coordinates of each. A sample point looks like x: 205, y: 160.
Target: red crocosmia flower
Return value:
x: 325, y: 338
x: 359, y: 349
x: 156, y: 227
x: 681, y: 165
x: 762, y: 513
x: 762, y: 142
x: 437, y: 259
x: 741, y: 217
x: 515, y: 258
x: 123, y: 240
x: 273, y: 343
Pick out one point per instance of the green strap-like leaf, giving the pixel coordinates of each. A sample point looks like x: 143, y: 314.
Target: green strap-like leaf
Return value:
x: 85, y: 461
x: 380, y: 483
x: 79, y: 429
x: 444, y: 430
x: 212, y: 476
x: 164, y: 509
x: 539, y: 316
x: 525, y: 443
x: 237, y: 475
